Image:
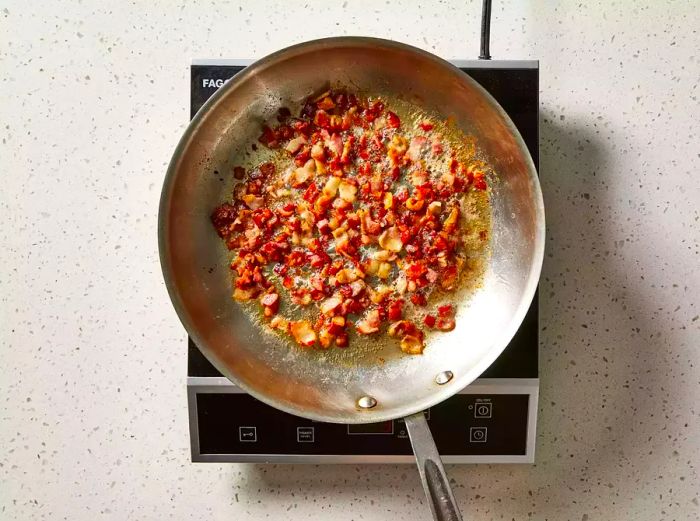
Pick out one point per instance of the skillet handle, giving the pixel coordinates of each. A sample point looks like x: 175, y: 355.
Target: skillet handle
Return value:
x: 432, y: 474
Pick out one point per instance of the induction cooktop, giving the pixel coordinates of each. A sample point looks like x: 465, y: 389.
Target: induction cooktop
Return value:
x: 493, y: 420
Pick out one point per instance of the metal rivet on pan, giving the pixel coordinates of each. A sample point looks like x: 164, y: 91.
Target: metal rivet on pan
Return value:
x: 444, y: 377
x: 366, y: 402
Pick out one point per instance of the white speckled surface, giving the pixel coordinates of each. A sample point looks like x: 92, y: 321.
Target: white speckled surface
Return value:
x: 93, y: 423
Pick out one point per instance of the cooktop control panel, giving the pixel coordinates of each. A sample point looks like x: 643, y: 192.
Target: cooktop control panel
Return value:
x: 492, y: 420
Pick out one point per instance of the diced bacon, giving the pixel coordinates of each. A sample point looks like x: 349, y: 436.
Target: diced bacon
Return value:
x: 303, y: 333
x: 337, y: 325
x: 322, y: 226
x: 331, y: 186
x: 268, y: 138
x: 395, y: 310
x: 415, y: 205
x: 303, y: 174
x: 402, y: 328
x: 369, y: 324
x: 335, y: 144
x: 317, y: 281
x: 253, y: 201
x: 329, y: 305
x: 357, y: 287
x: 414, y: 149
x: 383, y: 270
x: 364, y: 221
x: 325, y: 338
x: 480, y: 183
x: 347, y: 191
x: 445, y: 310
x: 223, y: 217
x: 392, y: 120
x: 419, y: 178
x: 388, y: 200
x: 269, y: 299
x: 286, y: 210
x: 419, y: 299
x: 322, y: 119
x: 270, y: 303
x: 369, y: 226
x: 378, y: 296
x: 342, y: 340
x: 451, y: 221
x: 448, y: 278
x: 346, y: 276
x: 390, y: 239
x: 326, y: 104
x: 445, y: 323
x: 434, y: 208
x: 295, y: 144
x: 317, y: 152
x: 413, y: 345
x: 346, y: 156
x: 311, y: 193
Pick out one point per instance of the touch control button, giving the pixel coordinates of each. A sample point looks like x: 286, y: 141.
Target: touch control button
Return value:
x: 247, y: 434
x: 477, y: 434
x: 482, y: 410
x: 305, y: 434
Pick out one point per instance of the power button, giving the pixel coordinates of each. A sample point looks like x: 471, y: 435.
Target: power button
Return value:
x: 482, y: 410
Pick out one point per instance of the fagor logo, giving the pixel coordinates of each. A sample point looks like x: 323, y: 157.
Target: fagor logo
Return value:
x: 210, y: 83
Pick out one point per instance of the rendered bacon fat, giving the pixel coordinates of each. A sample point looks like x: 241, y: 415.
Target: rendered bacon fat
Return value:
x: 359, y: 220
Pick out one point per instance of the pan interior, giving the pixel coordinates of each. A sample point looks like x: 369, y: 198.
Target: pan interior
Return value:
x: 325, y: 385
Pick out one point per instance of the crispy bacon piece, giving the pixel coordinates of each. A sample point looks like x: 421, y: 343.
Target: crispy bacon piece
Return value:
x: 303, y: 333
x: 412, y: 344
x: 369, y: 324
x: 392, y: 120
x: 223, y: 217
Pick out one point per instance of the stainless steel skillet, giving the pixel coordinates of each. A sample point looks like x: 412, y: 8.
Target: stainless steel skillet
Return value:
x: 349, y: 386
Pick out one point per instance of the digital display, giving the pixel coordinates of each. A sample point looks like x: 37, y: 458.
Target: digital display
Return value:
x: 386, y: 427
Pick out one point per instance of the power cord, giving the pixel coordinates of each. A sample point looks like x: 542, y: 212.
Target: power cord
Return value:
x: 485, y: 30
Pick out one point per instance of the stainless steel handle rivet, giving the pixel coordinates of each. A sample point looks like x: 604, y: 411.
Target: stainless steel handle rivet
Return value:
x: 366, y: 402
x: 444, y: 377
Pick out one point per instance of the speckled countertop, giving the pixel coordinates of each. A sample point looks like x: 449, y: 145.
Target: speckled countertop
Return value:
x: 93, y: 420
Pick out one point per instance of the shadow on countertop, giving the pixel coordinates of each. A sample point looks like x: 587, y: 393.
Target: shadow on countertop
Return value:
x: 602, y: 365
